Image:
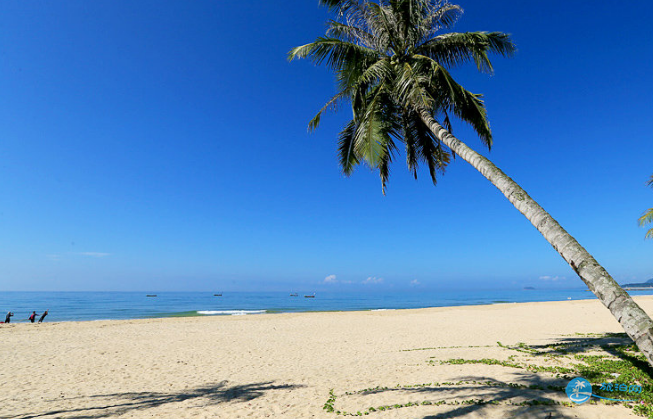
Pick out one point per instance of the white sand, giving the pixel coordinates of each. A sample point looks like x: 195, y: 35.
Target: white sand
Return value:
x: 284, y: 365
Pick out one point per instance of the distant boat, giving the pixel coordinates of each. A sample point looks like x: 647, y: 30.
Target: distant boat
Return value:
x: 217, y: 295
x: 310, y: 296
x: 294, y: 294
x: 151, y: 295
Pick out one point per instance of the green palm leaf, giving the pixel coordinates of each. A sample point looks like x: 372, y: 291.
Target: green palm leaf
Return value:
x: 647, y: 217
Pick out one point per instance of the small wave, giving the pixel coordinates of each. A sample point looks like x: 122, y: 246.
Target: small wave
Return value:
x: 230, y: 312
x: 382, y: 309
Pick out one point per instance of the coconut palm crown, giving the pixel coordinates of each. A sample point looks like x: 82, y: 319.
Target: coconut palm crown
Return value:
x: 392, y: 60
x: 647, y: 217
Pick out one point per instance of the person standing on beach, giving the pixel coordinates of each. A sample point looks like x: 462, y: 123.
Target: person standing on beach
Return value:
x: 32, y: 316
x: 8, y: 318
x: 45, y: 313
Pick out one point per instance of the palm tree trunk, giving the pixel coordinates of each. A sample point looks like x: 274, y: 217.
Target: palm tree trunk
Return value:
x: 637, y: 324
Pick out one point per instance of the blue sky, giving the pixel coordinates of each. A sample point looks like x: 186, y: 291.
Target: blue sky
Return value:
x: 162, y: 145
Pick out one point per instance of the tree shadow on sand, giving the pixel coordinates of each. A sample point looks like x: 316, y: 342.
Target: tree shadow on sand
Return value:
x: 477, y: 396
x: 119, y: 403
x: 505, y: 395
x: 610, y: 343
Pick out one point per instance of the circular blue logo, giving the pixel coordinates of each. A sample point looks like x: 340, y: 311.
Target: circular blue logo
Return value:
x: 579, y: 390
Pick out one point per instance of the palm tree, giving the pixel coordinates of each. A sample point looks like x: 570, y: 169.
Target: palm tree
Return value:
x: 391, y: 63
x: 647, y: 217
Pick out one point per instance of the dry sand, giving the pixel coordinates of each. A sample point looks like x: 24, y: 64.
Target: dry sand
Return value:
x: 284, y: 365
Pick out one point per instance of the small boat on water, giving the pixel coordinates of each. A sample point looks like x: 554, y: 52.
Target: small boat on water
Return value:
x: 217, y: 295
x: 294, y: 294
x: 151, y: 295
x: 310, y: 296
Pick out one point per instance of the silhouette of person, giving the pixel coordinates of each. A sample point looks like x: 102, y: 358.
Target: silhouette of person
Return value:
x: 32, y: 316
x: 45, y: 313
x: 8, y: 318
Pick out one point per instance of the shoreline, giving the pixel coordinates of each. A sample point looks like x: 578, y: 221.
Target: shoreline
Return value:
x: 309, y: 312
x: 257, y: 312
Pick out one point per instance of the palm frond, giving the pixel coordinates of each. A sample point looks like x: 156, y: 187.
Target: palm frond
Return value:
x: 374, y: 138
x: 340, y: 6
x: 370, y: 138
x: 411, y: 84
x: 384, y: 165
x: 465, y: 105
x: 379, y: 72
x: 437, y: 18
x: 351, y: 33
x: 380, y: 20
x: 646, y: 218
x: 331, y: 104
x: 453, y: 49
x: 348, y: 158
x: 336, y: 52
x: 411, y: 144
x: 426, y: 147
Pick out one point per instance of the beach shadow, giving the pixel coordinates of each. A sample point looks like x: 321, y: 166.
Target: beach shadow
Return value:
x: 540, y: 393
x: 608, y: 343
x: 536, y: 397
x: 501, y: 392
x: 575, y: 345
x: 531, y: 412
x: 120, y: 403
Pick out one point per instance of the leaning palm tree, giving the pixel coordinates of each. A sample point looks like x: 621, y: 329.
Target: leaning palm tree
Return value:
x: 647, y: 217
x: 392, y: 63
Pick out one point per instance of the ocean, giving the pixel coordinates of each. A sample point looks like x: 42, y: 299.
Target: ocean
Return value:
x: 82, y: 306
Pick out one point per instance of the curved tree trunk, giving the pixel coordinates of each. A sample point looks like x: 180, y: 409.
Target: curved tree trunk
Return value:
x: 637, y: 324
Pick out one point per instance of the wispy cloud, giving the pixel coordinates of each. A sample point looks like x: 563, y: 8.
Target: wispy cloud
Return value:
x: 414, y: 282
x: 373, y: 280
x: 331, y: 279
x: 552, y: 278
x: 53, y: 257
x: 94, y: 254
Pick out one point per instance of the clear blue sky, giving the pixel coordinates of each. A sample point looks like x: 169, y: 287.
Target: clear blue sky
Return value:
x: 162, y: 145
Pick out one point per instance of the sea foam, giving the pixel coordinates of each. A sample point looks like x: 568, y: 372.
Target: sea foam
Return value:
x: 230, y: 312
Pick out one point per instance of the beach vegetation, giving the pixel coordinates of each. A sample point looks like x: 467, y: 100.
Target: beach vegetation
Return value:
x: 392, y: 62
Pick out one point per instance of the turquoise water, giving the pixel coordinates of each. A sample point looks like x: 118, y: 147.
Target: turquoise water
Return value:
x: 76, y: 306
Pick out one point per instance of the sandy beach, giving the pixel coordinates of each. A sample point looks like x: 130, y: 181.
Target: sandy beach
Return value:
x: 286, y: 365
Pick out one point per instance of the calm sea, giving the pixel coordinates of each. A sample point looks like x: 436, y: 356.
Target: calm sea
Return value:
x: 76, y: 306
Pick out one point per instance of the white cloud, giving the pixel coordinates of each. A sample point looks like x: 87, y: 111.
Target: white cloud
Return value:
x: 331, y: 279
x: 552, y: 278
x: 94, y: 254
x: 414, y: 282
x: 373, y: 280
